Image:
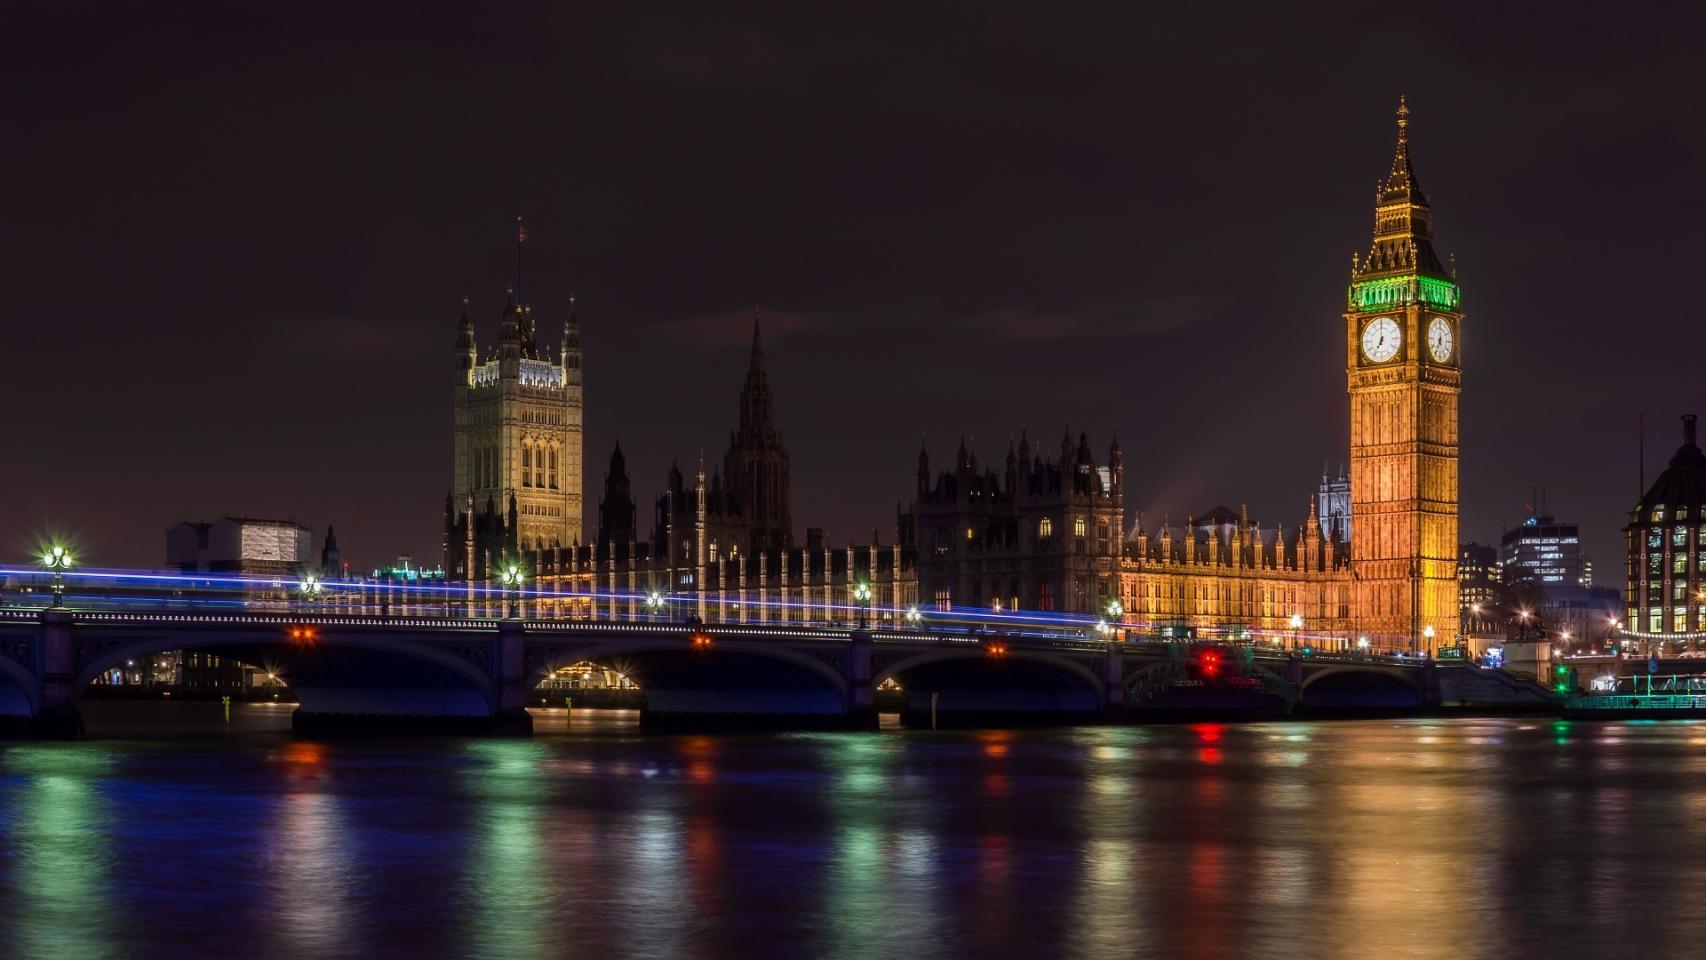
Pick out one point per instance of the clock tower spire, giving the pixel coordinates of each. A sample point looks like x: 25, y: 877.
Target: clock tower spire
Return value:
x: 1403, y: 371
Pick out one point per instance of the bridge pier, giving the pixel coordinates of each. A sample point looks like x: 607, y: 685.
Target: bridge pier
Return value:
x: 511, y: 716
x: 1430, y: 696
x: 1114, y: 707
x: 861, y: 698
x: 56, y: 664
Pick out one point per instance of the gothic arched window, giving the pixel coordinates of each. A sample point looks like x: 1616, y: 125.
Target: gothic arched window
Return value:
x: 526, y: 465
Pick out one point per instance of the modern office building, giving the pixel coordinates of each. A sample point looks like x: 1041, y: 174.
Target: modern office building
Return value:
x: 1543, y: 550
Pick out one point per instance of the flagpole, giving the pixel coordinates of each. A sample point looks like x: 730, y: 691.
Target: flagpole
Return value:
x: 518, y: 236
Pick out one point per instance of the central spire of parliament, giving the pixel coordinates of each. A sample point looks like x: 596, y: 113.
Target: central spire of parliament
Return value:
x: 756, y: 466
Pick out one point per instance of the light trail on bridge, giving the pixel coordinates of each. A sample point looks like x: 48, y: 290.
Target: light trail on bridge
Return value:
x: 157, y: 588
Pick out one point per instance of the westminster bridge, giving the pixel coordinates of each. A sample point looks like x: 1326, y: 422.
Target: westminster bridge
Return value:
x: 470, y: 672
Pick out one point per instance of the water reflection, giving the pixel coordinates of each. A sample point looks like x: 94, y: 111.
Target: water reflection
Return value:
x: 58, y: 853
x: 1429, y: 838
x: 508, y: 906
x: 312, y: 868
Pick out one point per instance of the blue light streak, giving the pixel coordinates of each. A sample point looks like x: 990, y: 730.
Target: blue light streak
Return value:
x: 367, y: 593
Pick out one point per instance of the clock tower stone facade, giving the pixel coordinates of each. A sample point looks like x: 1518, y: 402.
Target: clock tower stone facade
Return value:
x: 1403, y: 342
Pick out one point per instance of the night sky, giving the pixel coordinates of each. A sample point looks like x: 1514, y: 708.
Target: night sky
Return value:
x: 236, y: 238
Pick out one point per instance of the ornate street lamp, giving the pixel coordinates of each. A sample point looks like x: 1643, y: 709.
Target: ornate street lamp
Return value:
x: 913, y: 617
x: 310, y: 588
x: 654, y: 603
x: 1296, y: 625
x: 57, y: 559
x: 511, y: 577
x: 862, y: 593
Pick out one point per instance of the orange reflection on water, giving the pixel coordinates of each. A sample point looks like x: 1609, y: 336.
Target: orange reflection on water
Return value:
x: 704, y: 848
x: 305, y: 752
x: 701, y: 753
x: 304, y: 762
x: 994, y: 858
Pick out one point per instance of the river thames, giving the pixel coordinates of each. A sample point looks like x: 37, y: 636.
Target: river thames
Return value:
x: 1367, y: 839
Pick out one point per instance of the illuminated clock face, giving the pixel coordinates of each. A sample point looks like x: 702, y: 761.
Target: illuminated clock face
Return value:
x: 1381, y: 339
x: 1439, y: 339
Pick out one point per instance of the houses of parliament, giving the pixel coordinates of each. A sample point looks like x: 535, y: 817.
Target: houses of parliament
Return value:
x: 1044, y: 530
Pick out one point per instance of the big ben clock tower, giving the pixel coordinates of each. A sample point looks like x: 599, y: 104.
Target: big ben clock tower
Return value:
x: 1403, y: 343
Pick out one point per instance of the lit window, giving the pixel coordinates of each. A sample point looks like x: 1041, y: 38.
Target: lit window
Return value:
x: 1045, y: 528
x: 1079, y: 527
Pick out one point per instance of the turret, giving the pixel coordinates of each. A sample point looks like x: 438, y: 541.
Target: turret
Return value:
x: 512, y: 530
x: 331, y: 562
x: 569, y: 354
x: 699, y: 517
x: 1310, y: 544
x: 466, y: 350
x: 1116, y: 468
x: 509, y: 339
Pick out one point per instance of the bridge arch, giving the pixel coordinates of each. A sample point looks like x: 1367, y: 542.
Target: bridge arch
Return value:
x: 27, y: 698
x: 735, y: 682
x: 619, y: 653
x: 253, y: 646
x: 1361, y: 686
x: 1062, y: 664
x: 968, y: 687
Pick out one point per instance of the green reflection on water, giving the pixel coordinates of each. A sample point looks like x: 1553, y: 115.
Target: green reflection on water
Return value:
x: 880, y: 897
x: 58, y: 837
x: 507, y: 896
